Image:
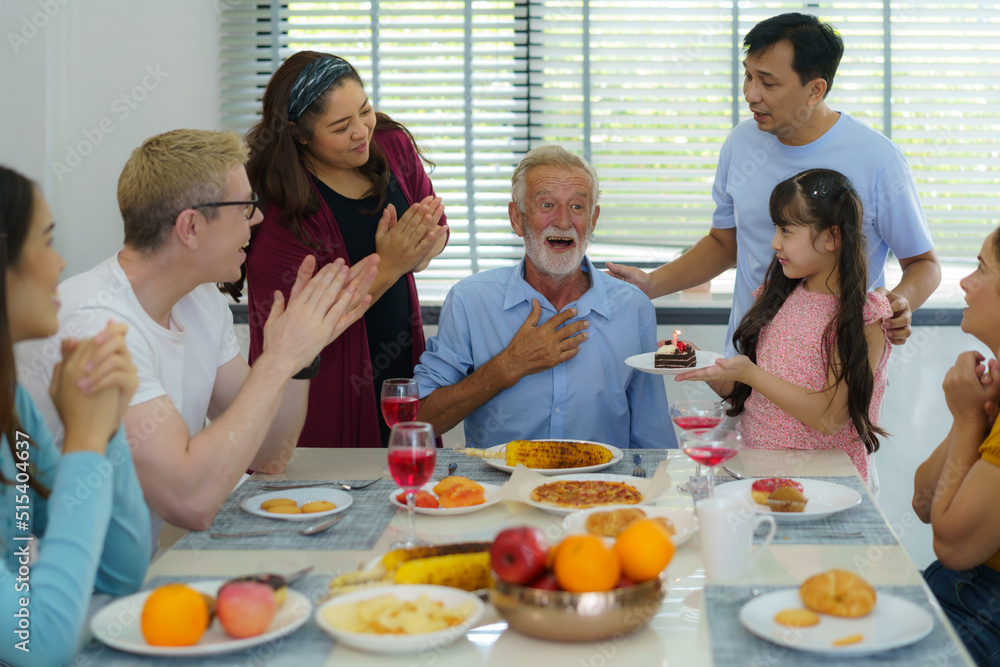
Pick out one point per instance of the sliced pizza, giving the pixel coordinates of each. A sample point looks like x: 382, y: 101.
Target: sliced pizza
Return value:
x: 581, y: 494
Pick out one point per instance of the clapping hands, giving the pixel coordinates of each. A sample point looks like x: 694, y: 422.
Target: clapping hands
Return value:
x: 405, y: 244
x: 320, y: 307
x: 971, y: 388
x: 92, y: 386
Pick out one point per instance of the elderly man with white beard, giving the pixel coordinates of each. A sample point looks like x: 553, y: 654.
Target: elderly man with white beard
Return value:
x: 538, y: 350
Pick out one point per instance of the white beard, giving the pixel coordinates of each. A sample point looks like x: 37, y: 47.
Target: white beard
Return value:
x: 556, y: 265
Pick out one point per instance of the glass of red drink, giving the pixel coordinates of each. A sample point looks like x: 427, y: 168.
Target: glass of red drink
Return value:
x: 411, y: 464
x: 711, y: 447
x: 399, y: 401
x: 689, y: 415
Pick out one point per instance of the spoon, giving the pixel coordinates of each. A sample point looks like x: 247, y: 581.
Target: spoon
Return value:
x: 311, y: 530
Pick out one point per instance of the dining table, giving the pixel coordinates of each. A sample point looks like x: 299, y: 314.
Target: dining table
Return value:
x: 697, y: 623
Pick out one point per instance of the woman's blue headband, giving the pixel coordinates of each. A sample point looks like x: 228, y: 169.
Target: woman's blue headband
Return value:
x: 313, y: 81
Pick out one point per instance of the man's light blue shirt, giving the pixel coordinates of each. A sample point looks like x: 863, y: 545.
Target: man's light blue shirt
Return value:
x: 593, y: 396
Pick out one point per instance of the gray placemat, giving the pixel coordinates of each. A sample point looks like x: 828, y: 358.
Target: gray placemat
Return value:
x: 363, y: 523
x: 864, y: 518
x: 468, y: 466
x: 650, y: 459
x: 732, y: 644
x: 308, y: 645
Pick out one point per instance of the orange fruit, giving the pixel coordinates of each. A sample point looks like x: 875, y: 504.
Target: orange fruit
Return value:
x: 584, y: 563
x: 174, y: 615
x: 644, y: 549
x: 550, y: 557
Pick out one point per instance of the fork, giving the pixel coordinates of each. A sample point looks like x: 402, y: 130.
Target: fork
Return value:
x: 311, y: 530
x: 638, y: 470
x: 346, y: 487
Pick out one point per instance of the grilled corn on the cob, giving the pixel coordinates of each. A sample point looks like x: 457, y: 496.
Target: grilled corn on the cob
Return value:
x: 555, y: 454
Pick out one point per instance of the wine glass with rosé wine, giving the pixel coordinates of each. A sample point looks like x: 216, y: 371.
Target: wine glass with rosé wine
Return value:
x: 711, y: 447
x: 688, y: 415
x: 411, y: 464
x: 399, y: 401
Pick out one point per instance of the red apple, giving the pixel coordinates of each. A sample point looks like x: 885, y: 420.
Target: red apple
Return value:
x: 546, y: 582
x: 624, y: 582
x: 245, y: 608
x: 518, y: 554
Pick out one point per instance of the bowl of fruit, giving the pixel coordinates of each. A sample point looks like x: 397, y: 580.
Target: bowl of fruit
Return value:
x: 580, y: 589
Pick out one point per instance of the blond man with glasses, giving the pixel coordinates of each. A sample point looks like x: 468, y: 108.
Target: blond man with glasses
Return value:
x: 188, y: 208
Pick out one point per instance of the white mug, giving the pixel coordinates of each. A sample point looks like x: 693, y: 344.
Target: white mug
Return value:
x: 726, y: 526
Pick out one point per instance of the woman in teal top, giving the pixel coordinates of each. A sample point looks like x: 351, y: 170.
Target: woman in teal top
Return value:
x: 73, y: 522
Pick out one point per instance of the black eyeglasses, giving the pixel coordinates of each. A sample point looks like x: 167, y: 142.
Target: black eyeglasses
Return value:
x: 250, y: 210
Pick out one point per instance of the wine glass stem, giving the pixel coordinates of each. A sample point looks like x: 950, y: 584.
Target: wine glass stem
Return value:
x: 411, y: 498
x: 711, y: 482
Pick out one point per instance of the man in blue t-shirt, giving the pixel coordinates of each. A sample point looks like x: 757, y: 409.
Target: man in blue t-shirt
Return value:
x: 790, y: 63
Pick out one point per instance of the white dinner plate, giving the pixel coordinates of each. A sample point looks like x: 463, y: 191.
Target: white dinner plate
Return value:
x: 342, y: 499
x: 118, y: 625
x: 685, y: 522
x: 894, y: 622
x: 548, y: 507
x: 501, y: 464
x: 490, y: 491
x: 644, y: 362
x: 825, y: 499
x: 411, y: 644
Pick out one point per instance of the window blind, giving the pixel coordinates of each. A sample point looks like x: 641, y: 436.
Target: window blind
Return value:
x: 647, y: 90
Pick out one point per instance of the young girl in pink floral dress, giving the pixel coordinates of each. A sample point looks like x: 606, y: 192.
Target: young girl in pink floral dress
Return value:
x: 812, y: 368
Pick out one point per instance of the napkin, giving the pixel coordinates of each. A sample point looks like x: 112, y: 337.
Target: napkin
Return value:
x: 524, y: 479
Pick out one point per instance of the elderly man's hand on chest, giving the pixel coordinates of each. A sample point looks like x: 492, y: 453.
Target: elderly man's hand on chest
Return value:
x: 536, y: 348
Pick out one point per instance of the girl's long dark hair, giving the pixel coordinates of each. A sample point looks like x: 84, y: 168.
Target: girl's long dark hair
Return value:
x: 821, y: 199
x: 17, y: 206
x: 276, y: 157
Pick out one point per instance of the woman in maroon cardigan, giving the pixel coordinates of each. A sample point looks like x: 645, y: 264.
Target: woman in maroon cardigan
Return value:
x: 337, y: 179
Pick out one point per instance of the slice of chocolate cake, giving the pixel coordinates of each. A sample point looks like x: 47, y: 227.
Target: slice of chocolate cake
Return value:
x: 675, y: 356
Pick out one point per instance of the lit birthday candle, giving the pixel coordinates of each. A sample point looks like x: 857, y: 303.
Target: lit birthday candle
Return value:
x: 675, y: 337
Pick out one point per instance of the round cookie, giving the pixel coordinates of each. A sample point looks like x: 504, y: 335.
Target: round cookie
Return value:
x: 796, y: 618
x: 277, y: 502
x: 318, y: 506
x: 285, y: 509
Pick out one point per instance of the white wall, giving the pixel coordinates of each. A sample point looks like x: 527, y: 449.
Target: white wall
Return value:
x: 85, y: 81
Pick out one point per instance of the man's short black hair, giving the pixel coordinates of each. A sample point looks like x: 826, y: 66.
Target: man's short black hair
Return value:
x: 816, y: 46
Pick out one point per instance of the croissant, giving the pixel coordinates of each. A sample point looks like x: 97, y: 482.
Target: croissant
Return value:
x: 838, y: 593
